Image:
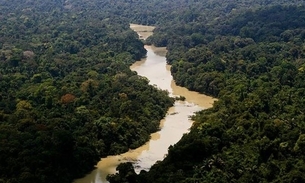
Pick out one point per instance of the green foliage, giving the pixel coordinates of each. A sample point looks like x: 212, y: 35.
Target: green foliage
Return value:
x: 125, y: 174
x: 67, y: 95
x: 251, y: 56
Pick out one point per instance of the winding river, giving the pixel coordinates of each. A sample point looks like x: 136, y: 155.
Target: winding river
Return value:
x: 173, y: 126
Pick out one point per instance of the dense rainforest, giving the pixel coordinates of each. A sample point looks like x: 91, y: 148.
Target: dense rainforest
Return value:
x: 250, y: 55
x: 67, y: 95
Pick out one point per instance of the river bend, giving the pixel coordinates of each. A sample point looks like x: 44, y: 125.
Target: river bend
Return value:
x: 173, y: 126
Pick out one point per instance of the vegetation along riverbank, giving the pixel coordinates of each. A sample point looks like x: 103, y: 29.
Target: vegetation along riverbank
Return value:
x: 67, y: 94
x: 68, y: 97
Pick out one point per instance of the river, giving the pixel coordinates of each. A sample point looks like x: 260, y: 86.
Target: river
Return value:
x: 173, y: 126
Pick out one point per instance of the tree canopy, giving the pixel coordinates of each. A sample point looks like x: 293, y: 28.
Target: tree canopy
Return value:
x: 67, y: 95
x: 251, y: 56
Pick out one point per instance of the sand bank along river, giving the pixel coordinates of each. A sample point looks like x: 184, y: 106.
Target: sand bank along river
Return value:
x: 173, y: 126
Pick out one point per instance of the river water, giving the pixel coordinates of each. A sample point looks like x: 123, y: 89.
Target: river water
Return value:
x: 173, y: 126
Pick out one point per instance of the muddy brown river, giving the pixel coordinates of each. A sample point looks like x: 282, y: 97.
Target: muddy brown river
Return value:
x: 173, y: 126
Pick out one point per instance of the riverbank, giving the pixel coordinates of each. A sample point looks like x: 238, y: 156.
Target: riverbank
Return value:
x: 173, y: 126
x: 143, y: 31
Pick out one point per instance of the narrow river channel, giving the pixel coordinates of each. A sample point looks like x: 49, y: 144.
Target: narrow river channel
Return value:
x: 173, y: 126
